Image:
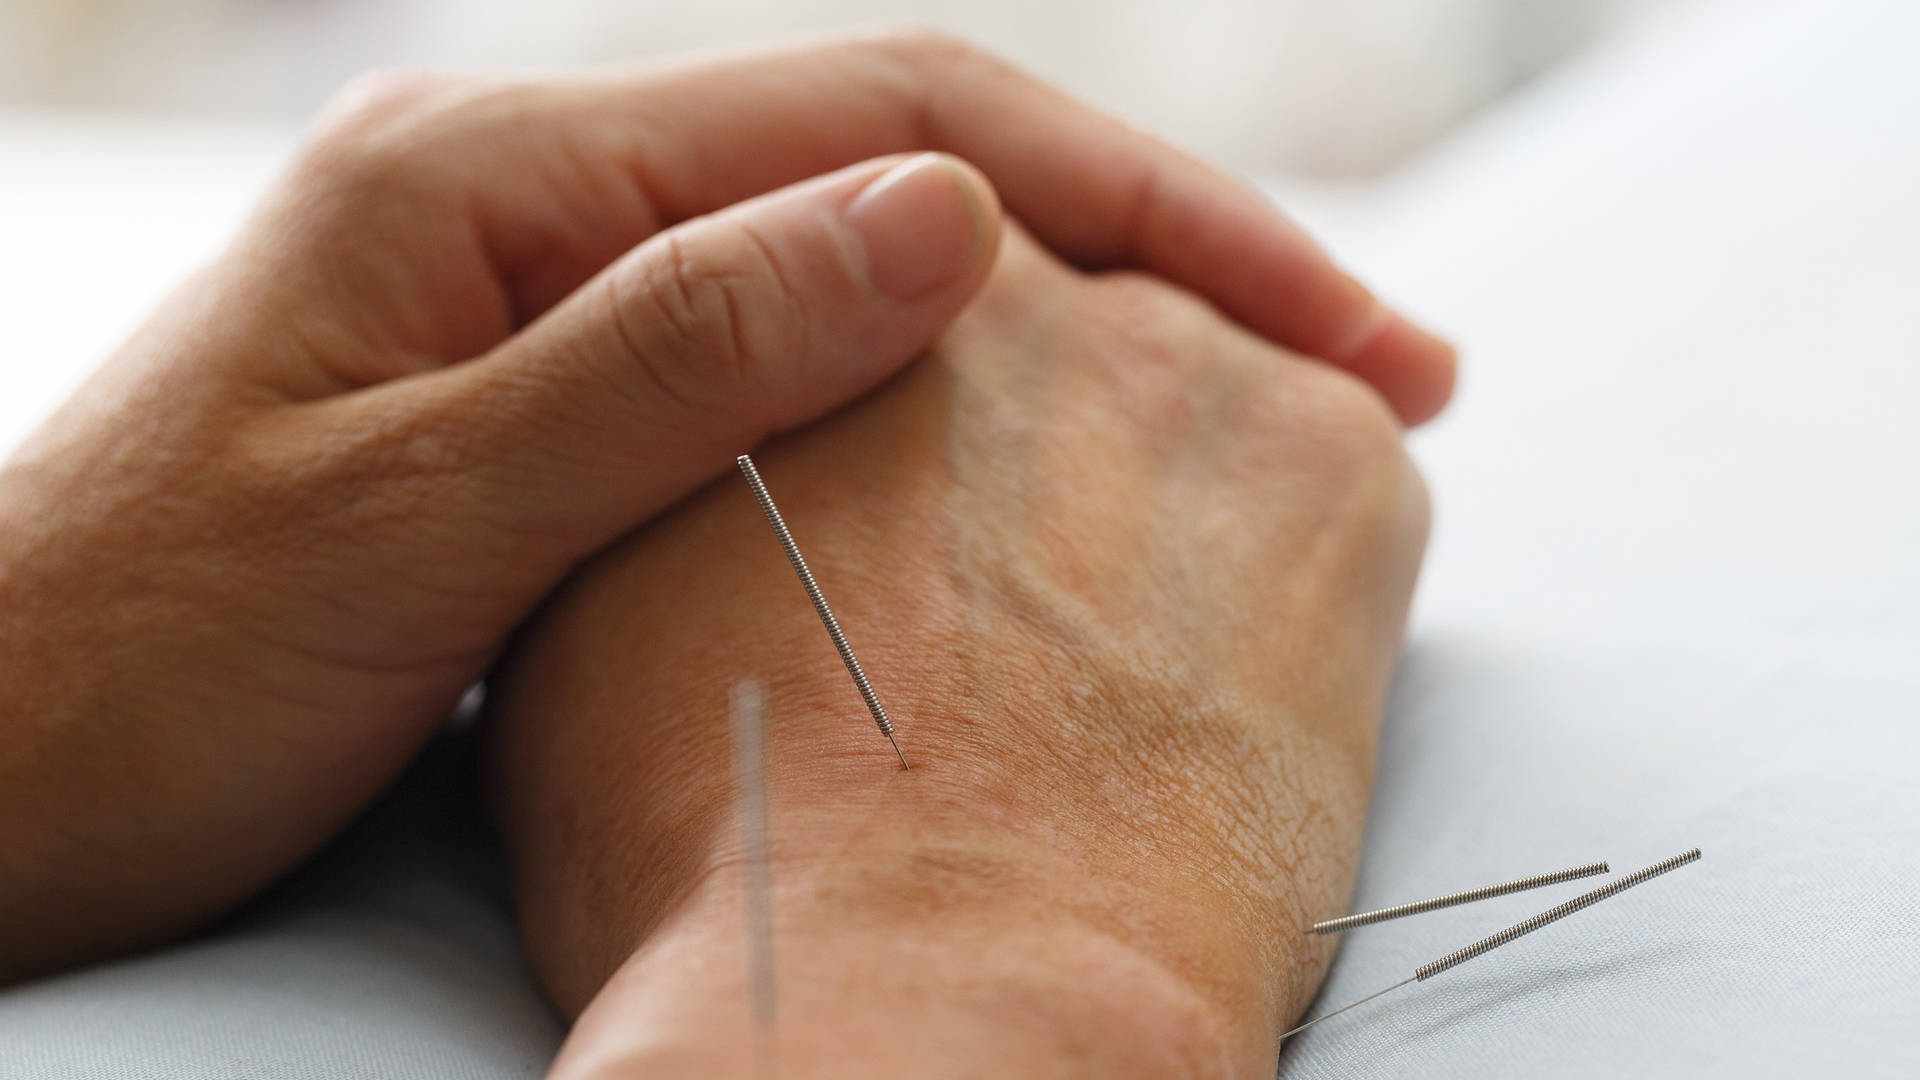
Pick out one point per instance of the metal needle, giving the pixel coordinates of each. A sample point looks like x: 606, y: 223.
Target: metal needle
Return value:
x: 1555, y: 914
x: 748, y: 706
x: 1486, y: 892
x: 820, y: 604
x: 1494, y: 941
x: 1344, y: 1008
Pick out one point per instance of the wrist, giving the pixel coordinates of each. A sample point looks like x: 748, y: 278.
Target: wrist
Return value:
x: 987, y: 899
x: 880, y: 985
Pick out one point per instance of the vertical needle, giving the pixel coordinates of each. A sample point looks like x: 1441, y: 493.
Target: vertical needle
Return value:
x: 820, y: 604
x: 748, y: 705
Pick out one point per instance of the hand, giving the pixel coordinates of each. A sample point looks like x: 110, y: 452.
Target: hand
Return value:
x: 1129, y: 580
x: 477, y: 332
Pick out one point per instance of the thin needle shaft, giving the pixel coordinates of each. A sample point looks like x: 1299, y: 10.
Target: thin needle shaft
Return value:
x: 820, y: 604
x: 1492, y: 942
x: 748, y: 706
x: 1401, y: 911
x: 1344, y: 1008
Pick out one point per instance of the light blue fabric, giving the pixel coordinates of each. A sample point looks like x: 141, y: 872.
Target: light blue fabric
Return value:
x: 391, y: 955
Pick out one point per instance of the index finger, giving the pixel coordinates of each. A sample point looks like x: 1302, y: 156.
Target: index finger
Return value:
x: 700, y: 135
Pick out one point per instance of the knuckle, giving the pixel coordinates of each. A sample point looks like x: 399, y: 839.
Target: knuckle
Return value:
x: 1160, y: 330
x: 1345, y: 440
x: 918, y: 45
x: 1344, y: 414
x: 378, y: 128
x: 1146, y: 346
x: 707, y: 324
x: 399, y: 450
x: 924, y: 58
x: 1157, y: 304
x: 375, y: 99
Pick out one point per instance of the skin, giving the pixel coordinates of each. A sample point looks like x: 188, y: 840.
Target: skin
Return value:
x: 480, y: 330
x: 1130, y: 580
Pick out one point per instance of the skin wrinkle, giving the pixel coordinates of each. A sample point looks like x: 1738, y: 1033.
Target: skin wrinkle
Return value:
x: 373, y: 348
x: 368, y: 486
x: 908, y: 59
x: 644, y: 152
x: 996, y: 990
x: 645, y: 877
x: 796, y: 321
x: 1246, y: 854
x: 883, y: 117
x: 397, y: 331
x: 608, y: 211
x: 671, y: 306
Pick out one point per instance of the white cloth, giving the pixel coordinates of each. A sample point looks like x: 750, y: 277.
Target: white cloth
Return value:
x: 1673, y: 598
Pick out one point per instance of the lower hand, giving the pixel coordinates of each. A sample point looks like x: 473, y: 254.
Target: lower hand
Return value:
x: 1130, y: 582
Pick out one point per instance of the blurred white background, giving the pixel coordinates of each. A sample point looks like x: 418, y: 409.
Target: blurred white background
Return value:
x: 1319, y: 88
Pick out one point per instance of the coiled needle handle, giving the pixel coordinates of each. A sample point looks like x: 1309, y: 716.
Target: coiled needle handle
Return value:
x: 1552, y: 915
x: 819, y: 603
x: 1492, y: 942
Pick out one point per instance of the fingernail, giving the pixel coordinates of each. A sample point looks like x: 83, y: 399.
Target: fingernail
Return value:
x: 1397, y: 336
x: 920, y: 227
x: 1427, y: 343
x: 1423, y: 362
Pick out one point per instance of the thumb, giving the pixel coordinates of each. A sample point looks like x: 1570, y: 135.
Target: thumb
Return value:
x: 701, y: 342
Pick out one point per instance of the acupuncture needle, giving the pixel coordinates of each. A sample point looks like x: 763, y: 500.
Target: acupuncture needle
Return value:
x: 820, y: 604
x: 748, y: 707
x: 1485, y: 892
x: 1494, y: 941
